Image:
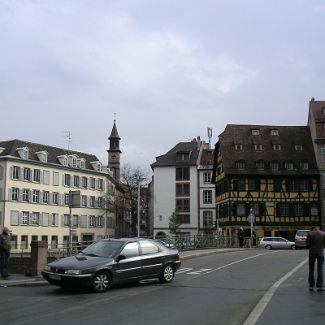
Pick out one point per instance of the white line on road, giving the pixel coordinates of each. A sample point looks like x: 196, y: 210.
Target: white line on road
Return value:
x: 261, y: 305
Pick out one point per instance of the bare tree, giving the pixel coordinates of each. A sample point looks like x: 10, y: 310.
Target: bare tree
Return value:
x: 132, y: 178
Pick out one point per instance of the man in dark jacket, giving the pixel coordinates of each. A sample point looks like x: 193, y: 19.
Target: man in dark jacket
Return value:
x: 5, y: 247
x: 315, y: 243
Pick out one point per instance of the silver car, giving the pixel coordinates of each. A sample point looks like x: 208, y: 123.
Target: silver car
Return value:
x: 276, y: 243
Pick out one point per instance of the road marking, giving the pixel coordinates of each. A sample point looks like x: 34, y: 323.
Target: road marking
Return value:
x: 200, y: 271
x: 185, y: 269
x: 262, y: 304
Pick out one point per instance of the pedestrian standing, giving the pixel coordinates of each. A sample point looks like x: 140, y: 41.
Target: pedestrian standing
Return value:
x: 241, y: 236
x: 5, y: 247
x: 315, y: 242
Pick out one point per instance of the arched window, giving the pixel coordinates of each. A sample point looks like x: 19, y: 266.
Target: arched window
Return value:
x: 274, y: 165
x: 240, y: 164
x: 289, y: 165
x: 260, y: 164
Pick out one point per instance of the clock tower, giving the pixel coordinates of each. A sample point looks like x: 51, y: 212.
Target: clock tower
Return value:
x: 114, y: 152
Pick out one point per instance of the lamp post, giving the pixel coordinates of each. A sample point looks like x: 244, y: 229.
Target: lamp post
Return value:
x: 139, y: 209
x: 251, y: 218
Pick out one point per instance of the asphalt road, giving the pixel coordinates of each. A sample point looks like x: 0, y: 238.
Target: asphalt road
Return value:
x: 217, y: 289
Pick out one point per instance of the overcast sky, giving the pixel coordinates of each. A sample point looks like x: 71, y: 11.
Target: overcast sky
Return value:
x: 168, y: 69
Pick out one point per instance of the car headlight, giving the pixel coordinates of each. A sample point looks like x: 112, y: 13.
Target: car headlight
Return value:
x: 74, y: 272
x: 47, y: 268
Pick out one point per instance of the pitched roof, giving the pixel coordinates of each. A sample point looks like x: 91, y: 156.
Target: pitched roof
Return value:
x: 114, y: 133
x: 11, y: 147
x: 170, y: 158
x: 288, y: 137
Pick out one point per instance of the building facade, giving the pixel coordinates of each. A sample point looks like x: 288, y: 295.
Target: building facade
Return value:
x: 316, y: 122
x: 269, y: 172
x: 181, y: 181
x: 36, y: 183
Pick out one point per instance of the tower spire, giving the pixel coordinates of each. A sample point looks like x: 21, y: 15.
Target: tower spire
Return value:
x: 114, y: 151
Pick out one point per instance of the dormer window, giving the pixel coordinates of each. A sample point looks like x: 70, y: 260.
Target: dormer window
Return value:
x: 63, y: 159
x: 238, y: 147
x: 277, y: 147
x: 255, y: 132
x: 2, y: 150
x: 81, y: 163
x: 258, y: 147
x: 298, y: 147
x: 304, y: 165
x: 289, y: 165
x: 240, y: 164
x: 73, y: 161
x: 42, y: 156
x: 274, y: 165
x: 274, y: 132
x: 260, y: 165
x: 96, y: 165
x: 23, y: 152
x: 183, y: 155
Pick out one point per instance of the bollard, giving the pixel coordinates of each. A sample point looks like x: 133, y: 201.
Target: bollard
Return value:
x: 38, y: 257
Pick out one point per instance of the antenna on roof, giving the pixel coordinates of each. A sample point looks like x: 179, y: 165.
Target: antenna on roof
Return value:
x: 209, y: 136
x: 68, y: 136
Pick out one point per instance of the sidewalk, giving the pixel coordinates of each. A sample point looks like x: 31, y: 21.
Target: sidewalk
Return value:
x: 24, y: 280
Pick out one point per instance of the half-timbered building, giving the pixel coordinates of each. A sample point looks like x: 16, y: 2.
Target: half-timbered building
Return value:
x: 269, y: 172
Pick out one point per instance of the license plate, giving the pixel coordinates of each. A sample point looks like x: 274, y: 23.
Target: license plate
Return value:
x: 54, y: 277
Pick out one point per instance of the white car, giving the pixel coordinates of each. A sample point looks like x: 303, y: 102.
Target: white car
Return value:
x: 276, y: 243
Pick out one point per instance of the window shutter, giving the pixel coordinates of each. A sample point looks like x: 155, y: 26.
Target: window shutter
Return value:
x: 20, y: 195
x: 50, y: 198
x: 9, y: 194
x: 83, y: 221
x: 62, y: 220
x: 1, y: 173
x: 56, y: 220
x: 21, y: 174
x: 11, y: 172
x: 31, y: 175
x: 40, y: 220
x: 45, y: 219
x: 1, y: 198
x: 14, y: 218
x: 30, y: 195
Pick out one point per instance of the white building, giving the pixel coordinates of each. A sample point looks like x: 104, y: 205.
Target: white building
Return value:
x: 181, y: 181
x: 35, y: 181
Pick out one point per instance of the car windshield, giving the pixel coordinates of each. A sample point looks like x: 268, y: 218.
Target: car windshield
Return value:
x: 104, y: 248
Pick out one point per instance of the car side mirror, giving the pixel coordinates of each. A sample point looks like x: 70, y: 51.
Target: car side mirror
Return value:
x: 120, y: 258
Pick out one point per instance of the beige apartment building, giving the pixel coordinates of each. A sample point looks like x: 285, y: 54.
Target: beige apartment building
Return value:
x: 35, y: 182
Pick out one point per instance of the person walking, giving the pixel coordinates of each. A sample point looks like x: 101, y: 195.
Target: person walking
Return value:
x: 241, y: 236
x: 5, y: 247
x: 315, y: 242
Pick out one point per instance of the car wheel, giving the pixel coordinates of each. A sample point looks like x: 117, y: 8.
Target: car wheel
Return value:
x: 101, y: 281
x: 268, y: 247
x: 167, y: 274
x: 293, y: 247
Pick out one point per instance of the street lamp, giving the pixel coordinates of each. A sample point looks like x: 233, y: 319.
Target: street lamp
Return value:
x: 139, y: 209
x: 251, y: 219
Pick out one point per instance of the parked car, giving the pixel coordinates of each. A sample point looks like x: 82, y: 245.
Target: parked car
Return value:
x: 300, y: 238
x: 111, y: 261
x: 276, y: 243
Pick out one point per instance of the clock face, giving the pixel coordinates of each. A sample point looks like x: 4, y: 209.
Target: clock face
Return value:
x: 113, y: 157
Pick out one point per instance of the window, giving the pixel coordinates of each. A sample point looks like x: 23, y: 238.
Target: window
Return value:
x: 75, y: 220
x: 240, y: 164
x: 131, y: 250
x: 255, y: 132
x: 100, y: 184
x: 182, y: 189
x: 54, y: 219
x: 66, y: 220
x: 76, y: 181
x: 46, y: 195
x: 258, y: 147
x: 238, y: 147
x: 238, y: 184
x: 54, y: 241
x: 37, y: 175
x: 15, y: 194
x: 26, y: 174
x: 207, y: 177
x: 46, y: 177
x: 185, y: 218
x: 35, y: 196
x: 260, y: 165
x: 284, y: 209
x: 255, y: 209
x: 66, y: 199
x: 322, y: 154
x: 241, y: 209
x: 147, y: 247
x: 304, y: 165
x: 298, y: 147
x: 274, y: 132
x: 84, y: 182
x: 182, y: 173
x: 24, y: 242
x: 183, y: 205
x: 276, y: 147
x: 67, y: 179
x: 55, y: 198
x: 183, y: 156
x: 56, y: 178
x: 25, y: 218
x: 92, y: 202
x: 289, y: 165
x: 92, y: 221
x: 253, y: 185
x: 92, y: 183
x: 25, y: 195
x: 35, y: 219
x: 100, y: 202
x: 207, y: 196
x: 314, y: 210
x: 274, y: 165
x: 16, y: 172
x: 84, y: 200
x: 304, y: 185
x: 207, y: 218
x: 100, y: 222
x: 298, y: 209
